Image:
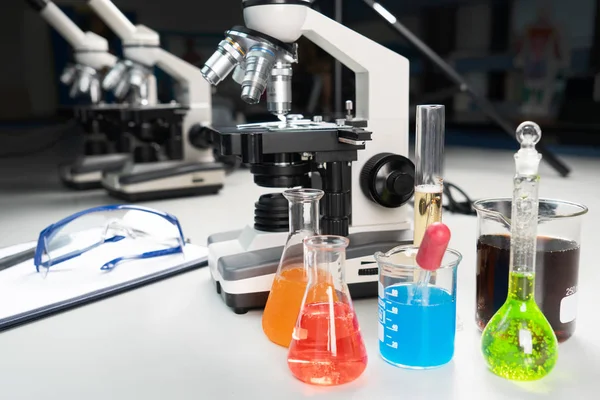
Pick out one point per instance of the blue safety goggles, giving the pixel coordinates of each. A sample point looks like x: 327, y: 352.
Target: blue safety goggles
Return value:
x: 81, y: 232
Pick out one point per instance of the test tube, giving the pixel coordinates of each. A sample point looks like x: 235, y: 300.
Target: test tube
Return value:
x: 429, y: 182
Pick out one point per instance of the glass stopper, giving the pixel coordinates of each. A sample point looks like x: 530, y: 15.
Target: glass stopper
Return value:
x: 529, y: 134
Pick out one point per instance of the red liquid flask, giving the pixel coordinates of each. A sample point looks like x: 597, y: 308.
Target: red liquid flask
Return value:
x: 327, y: 347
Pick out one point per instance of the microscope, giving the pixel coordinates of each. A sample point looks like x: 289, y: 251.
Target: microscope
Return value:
x: 360, y: 162
x: 184, y: 164
x: 84, y: 77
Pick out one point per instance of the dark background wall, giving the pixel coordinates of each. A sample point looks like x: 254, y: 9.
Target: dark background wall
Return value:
x: 476, y: 36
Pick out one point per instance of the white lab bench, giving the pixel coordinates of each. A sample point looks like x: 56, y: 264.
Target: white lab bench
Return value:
x: 176, y: 339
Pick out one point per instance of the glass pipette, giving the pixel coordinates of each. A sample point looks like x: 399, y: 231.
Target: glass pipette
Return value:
x: 429, y: 157
x: 429, y: 181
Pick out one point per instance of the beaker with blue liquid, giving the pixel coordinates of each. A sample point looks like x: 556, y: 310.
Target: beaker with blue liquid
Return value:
x: 417, y: 309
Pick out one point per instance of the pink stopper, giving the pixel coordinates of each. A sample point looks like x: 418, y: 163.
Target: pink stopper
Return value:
x: 433, y: 246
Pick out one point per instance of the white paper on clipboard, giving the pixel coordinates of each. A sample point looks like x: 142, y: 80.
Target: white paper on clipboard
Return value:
x: 24, y: 291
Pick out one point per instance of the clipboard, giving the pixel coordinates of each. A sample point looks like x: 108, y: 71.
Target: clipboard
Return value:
x: 26, y: 296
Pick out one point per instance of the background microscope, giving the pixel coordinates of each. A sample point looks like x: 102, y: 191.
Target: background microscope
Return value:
x: 102, y: 149
x: 367, y: 183
x: 177, y: 167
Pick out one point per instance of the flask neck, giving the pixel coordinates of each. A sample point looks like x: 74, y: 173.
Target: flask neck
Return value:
x: 523, y: 232
x: 304, y: 216
x: 521, y: 286
x: 325, y: 256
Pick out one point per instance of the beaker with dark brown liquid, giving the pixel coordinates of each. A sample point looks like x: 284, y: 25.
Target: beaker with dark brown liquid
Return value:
x: 557, y: 261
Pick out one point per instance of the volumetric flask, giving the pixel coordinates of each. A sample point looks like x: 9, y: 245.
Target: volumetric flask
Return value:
x: 327, y: 347
x: 289, y: 284
x: 417, y: 323
x: 518, y: 342
x: 557, y: 260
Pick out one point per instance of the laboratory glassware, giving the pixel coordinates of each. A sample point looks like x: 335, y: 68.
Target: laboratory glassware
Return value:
x: 433, y: 247
x: 283, y: 304
x: 556, y: 264
x: 157, y: 232
x: 518, y: 342
x: 327, y: 347
x: 417, y: 320
x: 429, y: 156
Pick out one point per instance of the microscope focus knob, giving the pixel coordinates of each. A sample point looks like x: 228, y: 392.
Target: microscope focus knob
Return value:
x: 200, y: 137
x: 388, y: 179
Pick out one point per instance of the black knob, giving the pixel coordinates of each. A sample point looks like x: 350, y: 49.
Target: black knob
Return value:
x: 145, y: 153
x: 201, y: 137
x: 388, y: 179
x: 335, y: 226
x: 96, y: 147
x: 271, y: 213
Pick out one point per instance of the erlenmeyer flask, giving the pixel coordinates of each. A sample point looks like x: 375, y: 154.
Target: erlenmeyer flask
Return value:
x: 327, y: 347
x: 289, y: 284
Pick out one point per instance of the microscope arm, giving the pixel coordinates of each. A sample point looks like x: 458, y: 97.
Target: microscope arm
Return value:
x: 188, y: 76
x: 382, y: 97
x: 379, y: 93
x: 114, y: 18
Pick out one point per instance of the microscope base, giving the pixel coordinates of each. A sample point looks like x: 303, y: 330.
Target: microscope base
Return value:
x: 244, y: 279
x: 86, y: 172
x: 164, y: 180
x: 163, y: 194
x: 241, y: 303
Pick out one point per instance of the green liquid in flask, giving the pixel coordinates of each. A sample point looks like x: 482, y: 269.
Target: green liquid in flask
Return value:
x: 518, y: 343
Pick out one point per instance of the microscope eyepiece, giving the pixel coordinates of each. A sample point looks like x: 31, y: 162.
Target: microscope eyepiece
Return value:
x: 259, y: 63
x: 228, y: 55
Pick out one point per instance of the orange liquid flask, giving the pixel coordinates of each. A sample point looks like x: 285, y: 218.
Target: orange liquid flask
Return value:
x: 327, y: 347
x: 289, y: 284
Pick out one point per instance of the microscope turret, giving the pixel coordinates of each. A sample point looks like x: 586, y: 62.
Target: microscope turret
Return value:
x: 260, y: 62
x: 367, y: 178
